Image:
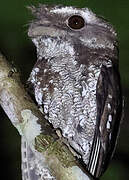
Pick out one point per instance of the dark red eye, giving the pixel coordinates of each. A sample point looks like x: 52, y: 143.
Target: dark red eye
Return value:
x: 76, y: 22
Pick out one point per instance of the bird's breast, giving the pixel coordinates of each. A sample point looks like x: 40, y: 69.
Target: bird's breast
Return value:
x: 68, y: 97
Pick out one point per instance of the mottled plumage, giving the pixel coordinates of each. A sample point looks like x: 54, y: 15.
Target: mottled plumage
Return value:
x: 76, y: 80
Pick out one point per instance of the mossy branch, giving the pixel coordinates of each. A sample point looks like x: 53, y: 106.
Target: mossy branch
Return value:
x: 31, y: 124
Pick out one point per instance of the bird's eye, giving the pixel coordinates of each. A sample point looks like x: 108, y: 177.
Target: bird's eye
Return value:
x: 76, y: 22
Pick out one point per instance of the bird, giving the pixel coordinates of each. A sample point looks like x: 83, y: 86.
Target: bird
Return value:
x: 76, y: 82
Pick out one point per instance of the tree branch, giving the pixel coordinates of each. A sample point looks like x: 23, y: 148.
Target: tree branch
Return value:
x: 31, y: 124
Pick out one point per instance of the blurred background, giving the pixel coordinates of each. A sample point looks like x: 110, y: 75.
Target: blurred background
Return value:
x: 18, y: 48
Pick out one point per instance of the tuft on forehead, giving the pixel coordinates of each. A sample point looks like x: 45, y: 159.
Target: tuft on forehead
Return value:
x: 42, y: 10
x: 45, y: 11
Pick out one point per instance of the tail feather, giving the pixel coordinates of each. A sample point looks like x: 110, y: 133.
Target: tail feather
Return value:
x: 94, y: 157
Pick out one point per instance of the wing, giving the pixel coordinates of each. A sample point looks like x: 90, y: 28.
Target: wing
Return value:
x: 109, y: 110
x: 33, y: 167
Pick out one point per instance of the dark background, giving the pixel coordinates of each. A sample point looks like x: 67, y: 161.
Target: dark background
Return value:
x: 14, y: 43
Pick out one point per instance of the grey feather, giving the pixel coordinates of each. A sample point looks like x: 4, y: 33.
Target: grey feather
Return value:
x: 73, y: 45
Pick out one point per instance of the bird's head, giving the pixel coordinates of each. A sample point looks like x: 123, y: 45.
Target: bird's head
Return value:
x: 70, y: 30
